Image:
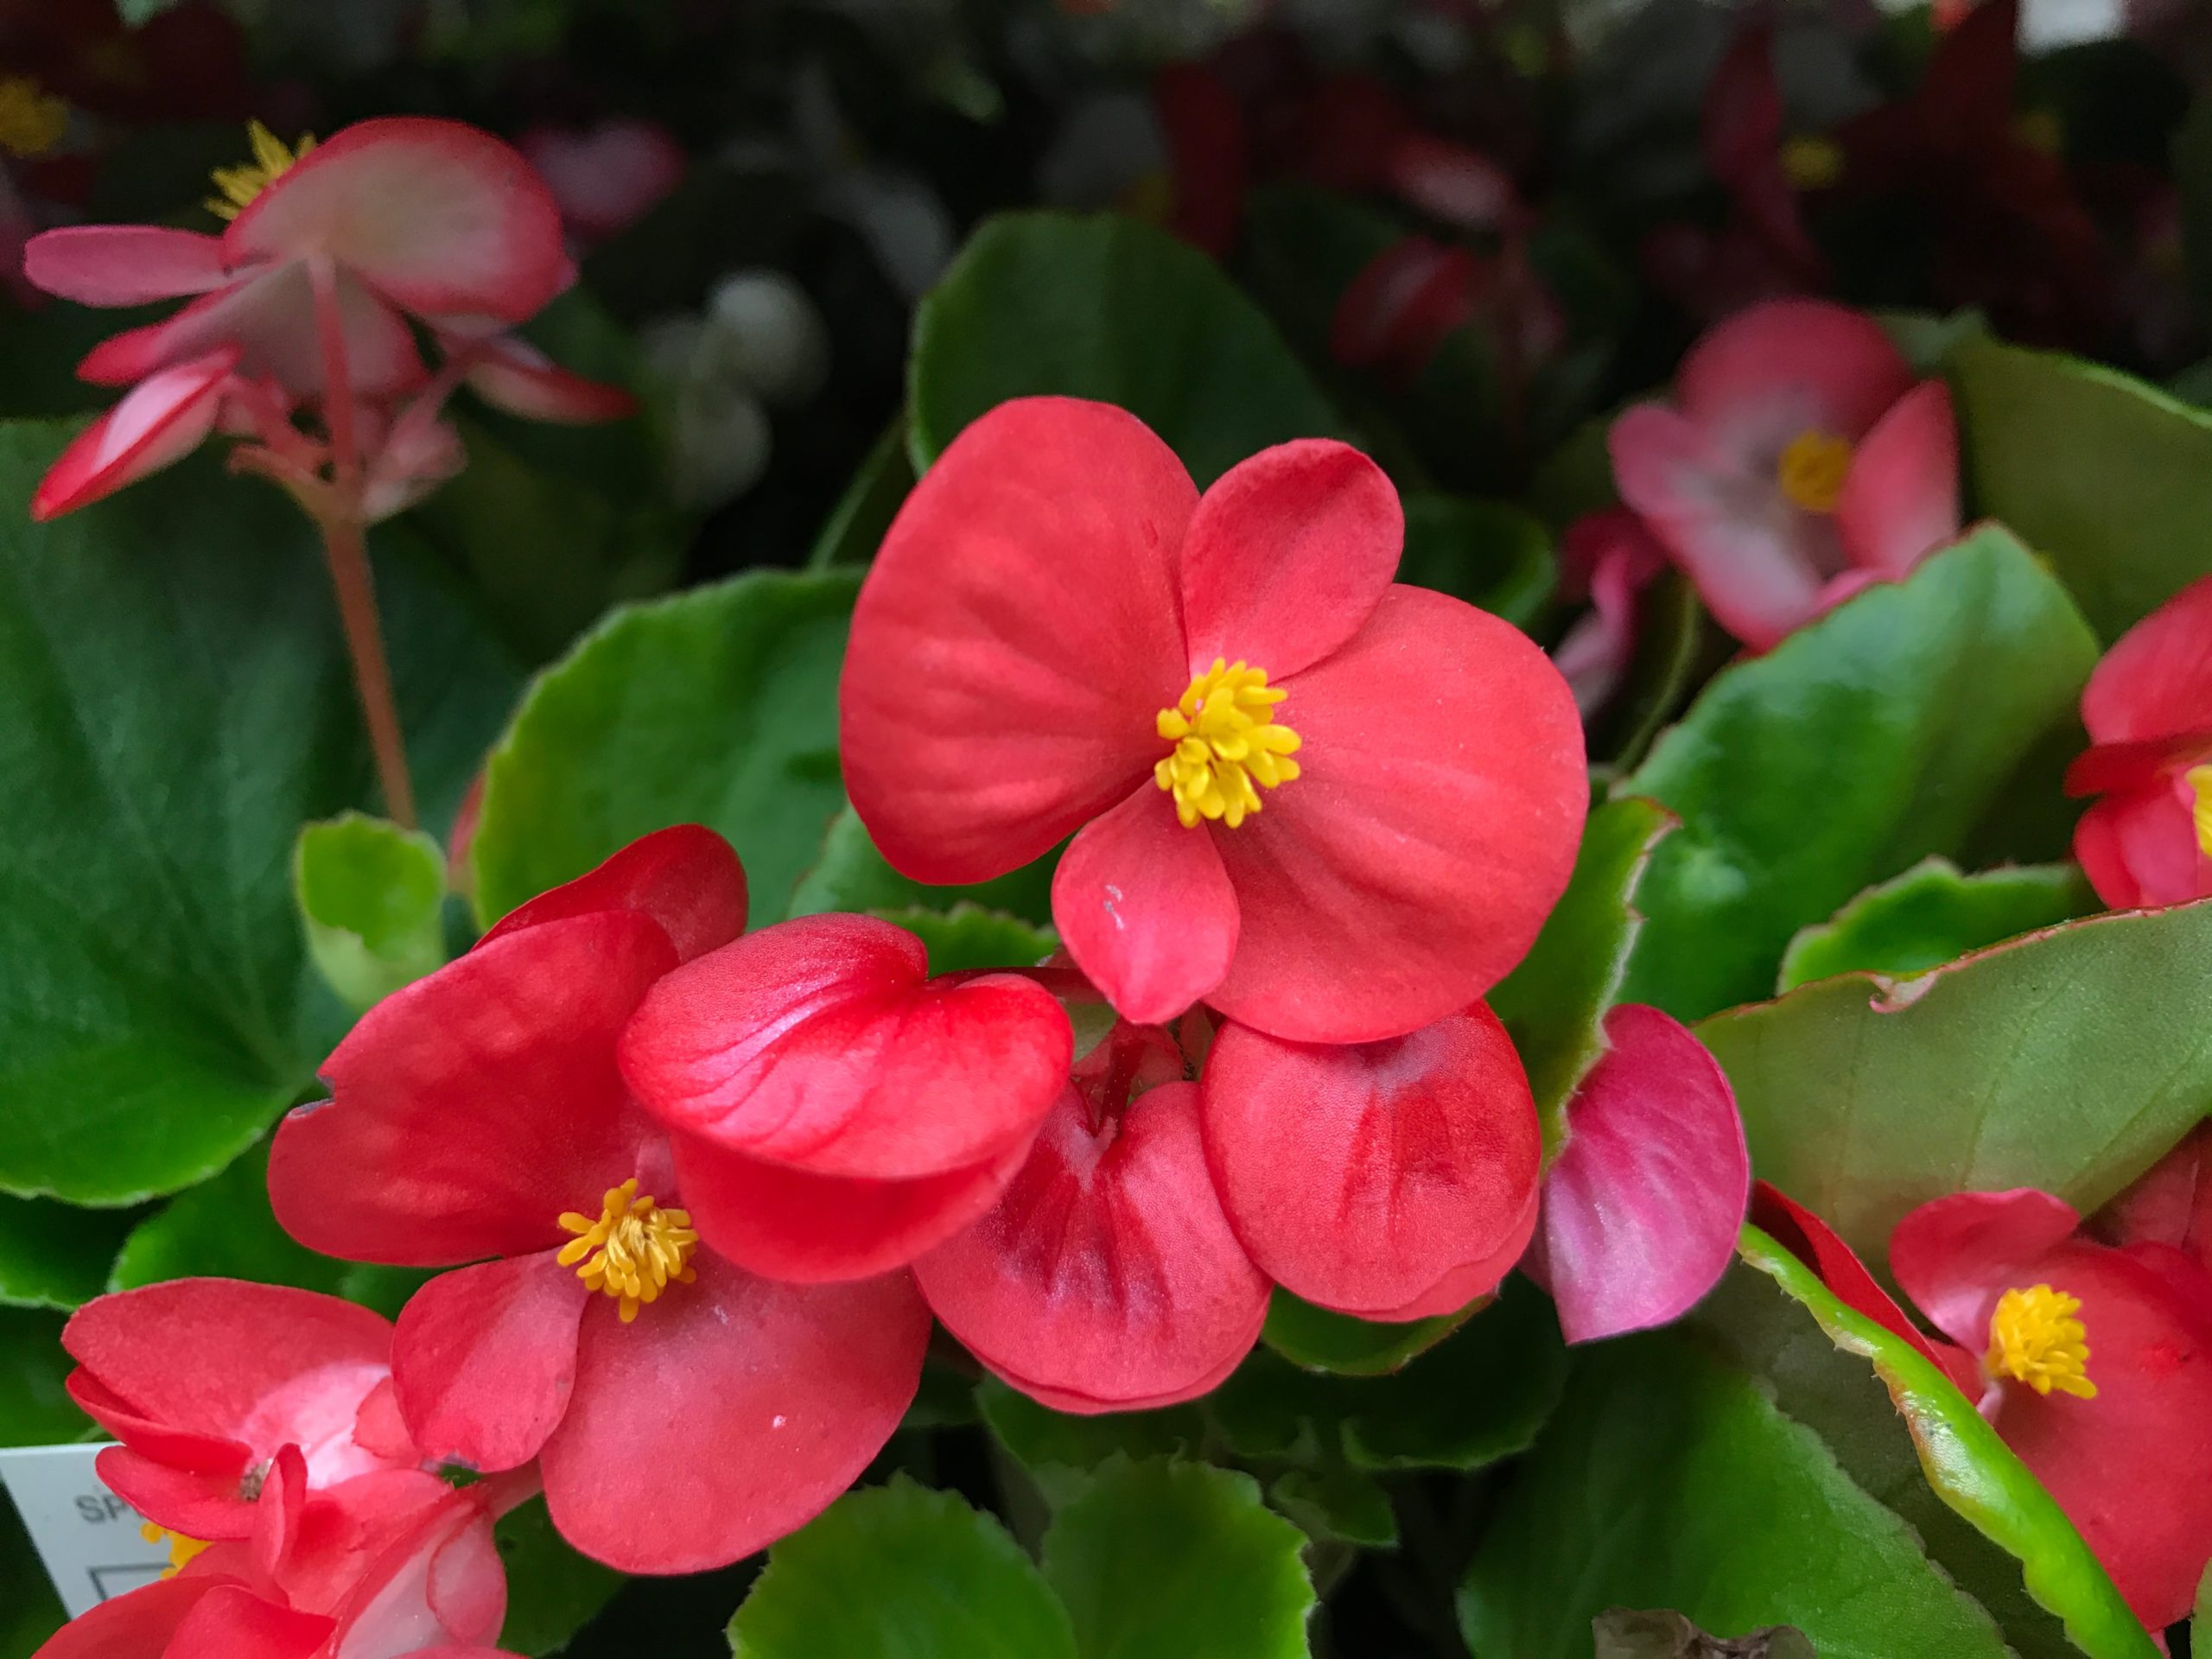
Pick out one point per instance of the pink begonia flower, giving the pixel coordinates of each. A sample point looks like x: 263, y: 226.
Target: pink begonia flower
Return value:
x: 1642, y: 1207
x: 606, y: 178
x: 1798, y: 461
x: 2148, y: 839
x: 1607, y: 558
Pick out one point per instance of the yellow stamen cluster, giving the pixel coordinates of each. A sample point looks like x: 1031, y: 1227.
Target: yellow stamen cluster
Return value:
x: 2035, y: 1339
x: 182, y: 1548
x: 2200, y: 779
x: 1812, y: 470
x: 32, y: 120
x: 1228, y: 745
x: 271, y: 161
x: 1812, y: 162
x: 635, y: 1250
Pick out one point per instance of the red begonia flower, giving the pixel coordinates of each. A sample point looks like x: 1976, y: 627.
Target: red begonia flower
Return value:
x: 205, y: 1381
x: 1798, y: 461
x: 836, y: 1111
x: 2148, y: 839
x: 2170, y: 1204
x: 1055, y: 599
x: 1392, y: 1180
x: 1642, y: 1207
x: 1107, y: 1278
x: 481, y: 1113
x: 163, y: 419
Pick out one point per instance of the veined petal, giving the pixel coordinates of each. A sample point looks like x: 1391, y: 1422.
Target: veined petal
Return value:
x: 687, y: 879
x: 484, y: 1359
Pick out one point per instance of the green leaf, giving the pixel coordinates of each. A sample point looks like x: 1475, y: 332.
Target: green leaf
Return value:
x: 1933, y: 914
x: 857, y: 523
x: 1671, y: 1479
x: 56, y: 1255
x: 1166, y: 1559
x: 34, y: 1408
x: 1059, y: 1449
x: 2051, y: 443
x: 1485, y: 552
x: 1320, y: 1340
x: 371, y: 898
x: 552, y: 1591
x: 968, y: 937
x: 850, y: 874
x: 180, y: 704
x: 1863, y: 742
x: 901, y: 1570
x: 1554, y: 1004
x: 224, y: 1228
x: 1977, y: 1509
x: 1336, y: 1502
x: 2070, y: 1060
x: 1114, y: 310
x: 1930, y: 339
x: 718, y: 706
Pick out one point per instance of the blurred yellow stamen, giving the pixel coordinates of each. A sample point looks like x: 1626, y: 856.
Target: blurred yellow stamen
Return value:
x: 1811, y: 162
x: 32, y: 120
x: 182, y: 1548
x: 2200, y: 779
x: 271, y: 161
x: 2035, y: 1339
x: 1812, y: 470
x: 1228, y: 745
x: 635, y: 1251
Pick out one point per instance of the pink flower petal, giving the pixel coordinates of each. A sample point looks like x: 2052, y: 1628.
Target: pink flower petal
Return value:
x: 513, y: 375
x: 608, y: 177
x: 1642, y: 1206
x: 1756, y: 381
x: 1954, y: 1257
x: 124, y: 265
x: 1145, y: 907
x: 1900, y: 500
x: 162, y: 420
x: 2156, y: 681
x: 2140, y: 851
x: 1433, y: 827
x: 484, y: 1359
x: 1016, y: 639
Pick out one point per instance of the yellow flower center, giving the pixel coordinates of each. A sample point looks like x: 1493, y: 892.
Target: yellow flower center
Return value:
x: 1812, y: 469
x: 1812, y: 162
x: 2200, y: 779
x: 633, y: 1251
x: 32, y: 120
x: 2035, y: 1339
x: 1228, y: 745
x: 271, y: 161
x: 182, y: 1548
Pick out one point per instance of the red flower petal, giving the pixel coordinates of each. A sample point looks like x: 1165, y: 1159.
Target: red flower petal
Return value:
x: 124, y: 265
x: 1768, y: 373
x: 440, y: 218
x: 2157, y: 680
x: 1107, y: 1273
x: 1362, y: 1177
x: 513, y: 375
x: 806, y: 1228
x: 470, y: 1110
x: 733, y: 1412
x: 1016, y: 639
x: 162, y: 420
x: 1644, y: 1204
x: 205, y: 1454
x: 1900, y: 500
x: 688, y: 878
x: 2141, y: 849
x: 231, y: 1622
x: 138, y: 1623
x: 485, y: 1358
x: 1433, y: 827
x: 1954, y: 1257
x: 2172, y: 1204
x: 820, y: 1042
x: 1146, y: 907
x: 1287, y: 557
x: 202, y: 1505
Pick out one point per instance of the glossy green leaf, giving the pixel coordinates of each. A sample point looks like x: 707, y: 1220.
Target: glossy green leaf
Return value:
x: 2070, y: 1060
x: 2052, y: 443
x: 1336, y: 1504
x: 552, y: 1591
x: 34, y: 1408
x: 1169, y: 1560
x: 1863, y: 742
x: 1060, y: 1449
x: 1671, y: 1479
x: 968, y: 936
x: 848, y: 873
x: 372, y: 898
x: 718, y: 706
x: 55, y: 1254
x: 1933, y: 914
x: 1554, y: 1004
x: 901, y: 1570
x: 1485, y: 552
x: 1320, y: 1340
x: 224, y: 1228
x: 180, y: 704
x: 1111, y: 309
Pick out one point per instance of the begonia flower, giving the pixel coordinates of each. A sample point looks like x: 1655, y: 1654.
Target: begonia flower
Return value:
x: 2093, y: 1362
x: 607, y: 177
x: 1412, y: 297
x: 2148, y: 840
x: 2171, y: 1204
x: 1061, y: 636
x: 1608, y: 559
x: 1391, y: 1180
x: 1107, y: 1277
x: 1798, y: 461
x: 1642, y: 1205
x: 205, y: 1381
x: 835, y: 1111
x: 683, y: 1411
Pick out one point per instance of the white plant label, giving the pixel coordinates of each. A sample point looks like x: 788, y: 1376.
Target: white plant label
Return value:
x: 87, y: 1537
